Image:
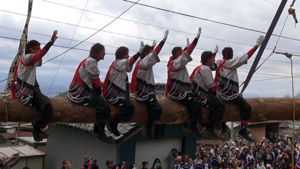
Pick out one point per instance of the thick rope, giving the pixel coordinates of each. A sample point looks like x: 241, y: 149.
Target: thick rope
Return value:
x: 6, y: 106
x: 273, y: 51
x: 294, y: 115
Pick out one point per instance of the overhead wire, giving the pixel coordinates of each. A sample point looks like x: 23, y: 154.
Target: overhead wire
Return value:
x: 209, y: 20
x: 68, y: 46
x: 171, y: 43
x: 272, y: 52
x: 40, y: 34
x: 93, y: 33
x: 175, y: 30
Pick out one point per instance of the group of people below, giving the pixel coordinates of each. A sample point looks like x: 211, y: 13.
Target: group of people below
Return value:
x: 195, y: 91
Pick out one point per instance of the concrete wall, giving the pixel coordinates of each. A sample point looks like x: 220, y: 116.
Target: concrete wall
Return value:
x: 74, y: 144
x: 126, y: 151
x: 258, y: 131
x: 31, y: 162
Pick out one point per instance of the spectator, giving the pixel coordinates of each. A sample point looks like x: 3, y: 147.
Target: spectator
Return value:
x: 144, y: 165
x: 89, y: 163
x: 122, y: 165
x: 109, y: 164
x: 156, y: 164
x: 184, y: 164
x: 269, y: 166
x: 267, y: 157
x: 250, y: 160
x: 132, y: 166
x: 205, y: 164
x: 177, y: 163
x: 283, y: 164
x: 66, y: 164
x: 260, y: 165
x: 191, y: 164
x: 258, y: 154
x: 263, y: 140
x: 172, y: 157
x: 8, y: 163
x: 198, y: 159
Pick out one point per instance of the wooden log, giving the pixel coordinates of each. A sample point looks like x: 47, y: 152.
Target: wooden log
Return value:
x: 64, y: 111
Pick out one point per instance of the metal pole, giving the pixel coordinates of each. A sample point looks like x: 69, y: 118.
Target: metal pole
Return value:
x: 232, y: 132
x: 263, y: 46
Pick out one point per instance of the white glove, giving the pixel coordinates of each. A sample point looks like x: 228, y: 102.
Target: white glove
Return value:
x: 142, y: 46
x: 154, y: 43
x: 166, y: 35
x: 216, y: 49
x: 54, y: 37
x: 260, y: 40
x: 187, y: 43
x: 199, y: 32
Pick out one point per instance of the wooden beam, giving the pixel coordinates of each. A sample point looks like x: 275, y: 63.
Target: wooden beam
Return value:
x: 64, y: 111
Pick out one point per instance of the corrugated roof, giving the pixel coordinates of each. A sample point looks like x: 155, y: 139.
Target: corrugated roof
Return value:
x: 88, y: 127
x: 25, y: 151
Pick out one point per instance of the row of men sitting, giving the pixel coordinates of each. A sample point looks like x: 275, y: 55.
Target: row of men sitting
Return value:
x: 195, y: 91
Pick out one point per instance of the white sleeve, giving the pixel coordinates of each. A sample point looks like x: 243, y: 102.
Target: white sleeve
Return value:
x: 92, y: 67
x: 149, y: 60
x: 207, y: 78
x: 182, y: 60
x: 123, y: 65
x: 236, y: 62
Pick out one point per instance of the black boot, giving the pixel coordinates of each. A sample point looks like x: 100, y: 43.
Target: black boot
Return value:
x: 211, y: 129
x: 36, y: 135
x: 114, y: 126
x: 101, y: 134
x: 39, y: 135
x: 149, y: 128
x: 243, y: 132
x: 159, y: 130
x: 95, y: 129
x: 194, y: 129
x: 224, y: 127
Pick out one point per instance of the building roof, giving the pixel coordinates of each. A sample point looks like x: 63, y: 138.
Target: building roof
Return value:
x: 25, y: 151
x: 123, y: 128
x: 265, y: 122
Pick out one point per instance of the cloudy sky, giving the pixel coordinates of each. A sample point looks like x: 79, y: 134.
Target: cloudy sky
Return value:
x: 142, y: 23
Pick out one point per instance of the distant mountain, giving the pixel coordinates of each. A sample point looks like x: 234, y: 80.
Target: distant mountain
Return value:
x: 250, y: 96
x: 55, y: 90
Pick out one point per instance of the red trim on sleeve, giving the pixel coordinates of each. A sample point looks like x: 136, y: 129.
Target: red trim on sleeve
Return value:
x: 250, y: 53
x: 38, y: 56
x: 213, y: 89
x: 36, y: 46
x: 157, y: 49
x: 190, y: 49
x: 13, y: 87
x: 96, y: 82
x: 245, y: 122
x: 131, y: 61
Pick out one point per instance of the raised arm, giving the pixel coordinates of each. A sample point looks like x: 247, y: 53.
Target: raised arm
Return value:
x: 135, y: 57
x: 36, y: 57
x: 152, y: 58
x: 259, y: 41
x: 161, y: 44
x: 194, y: 43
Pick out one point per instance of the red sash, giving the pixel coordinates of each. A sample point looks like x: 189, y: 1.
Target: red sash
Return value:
x: 107, y: 78
x: 221, y: 67
x: 134, y: 76
x: 170, y: 69
x: 196, y: 70
x: 13, y: 87
x: 77, y: 75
